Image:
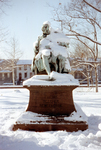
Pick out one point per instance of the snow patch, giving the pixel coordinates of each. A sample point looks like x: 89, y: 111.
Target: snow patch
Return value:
x: 79, y: 115
x: 30, y: 117
x: 59, y: 79
x: 17, y: 91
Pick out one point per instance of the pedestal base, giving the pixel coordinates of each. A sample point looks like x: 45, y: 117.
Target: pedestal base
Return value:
x: 45, y: 123
x: 69, y: 127
x: 51, y: 105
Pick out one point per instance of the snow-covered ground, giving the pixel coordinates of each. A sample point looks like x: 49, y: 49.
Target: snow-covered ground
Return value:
x: 13, y: 102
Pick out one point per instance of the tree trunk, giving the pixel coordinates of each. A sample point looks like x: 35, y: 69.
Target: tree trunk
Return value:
x: 13, y: 76
x: 88, y: 76
x: 87, y: 79
x: 96, y: 78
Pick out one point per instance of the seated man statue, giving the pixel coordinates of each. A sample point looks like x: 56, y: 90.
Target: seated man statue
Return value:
x: 50, y: 51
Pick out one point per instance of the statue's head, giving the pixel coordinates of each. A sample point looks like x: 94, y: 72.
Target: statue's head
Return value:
x: 46, y: 28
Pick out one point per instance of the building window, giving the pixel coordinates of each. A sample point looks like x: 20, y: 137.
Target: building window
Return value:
x: 30, y: 74
x: 8, y: 75
x: 25, y: 74
x: 3, y: 76
x: 20, y: 76
x: 19, y: 68
x: 25, y: 67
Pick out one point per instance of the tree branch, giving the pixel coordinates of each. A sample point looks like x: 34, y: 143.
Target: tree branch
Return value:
x: 92, y: 6
x: 78, y: 34
x: 86, y: 18
x: 85, y: 63
x: 87, y: 46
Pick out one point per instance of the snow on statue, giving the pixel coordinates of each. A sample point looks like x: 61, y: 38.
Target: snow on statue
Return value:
x: 50, y: 51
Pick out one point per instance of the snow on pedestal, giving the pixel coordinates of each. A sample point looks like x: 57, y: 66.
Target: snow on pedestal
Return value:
x: 32, y: 118
x: 58, y: 79
x: 38, y: 122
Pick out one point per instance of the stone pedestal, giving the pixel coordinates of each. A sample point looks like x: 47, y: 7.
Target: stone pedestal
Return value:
x: 51, y: 100
x: 49, y: 106
x: 52, y: 123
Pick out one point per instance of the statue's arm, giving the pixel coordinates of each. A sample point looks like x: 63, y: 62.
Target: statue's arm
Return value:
x: 36, y: 45
x: 36, y: 48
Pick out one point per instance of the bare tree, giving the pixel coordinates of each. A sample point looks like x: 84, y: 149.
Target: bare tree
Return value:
x: 2, y: 4
x: 13, y: 54
x: 3, y: 30
x: 82, y: 54
x: 82, y: 19
x: 80, y: 50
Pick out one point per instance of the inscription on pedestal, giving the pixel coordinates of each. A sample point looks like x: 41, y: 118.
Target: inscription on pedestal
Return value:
x: 51, y: 105
x: 51, y: 100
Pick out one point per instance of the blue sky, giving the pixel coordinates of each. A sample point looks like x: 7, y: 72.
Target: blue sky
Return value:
x: 24, y: 19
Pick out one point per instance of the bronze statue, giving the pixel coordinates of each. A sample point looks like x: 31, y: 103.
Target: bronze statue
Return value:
x: 45, y: 48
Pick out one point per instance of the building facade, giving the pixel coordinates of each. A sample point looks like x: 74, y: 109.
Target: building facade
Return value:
x: 23, y: 70
x: 5, y: 72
